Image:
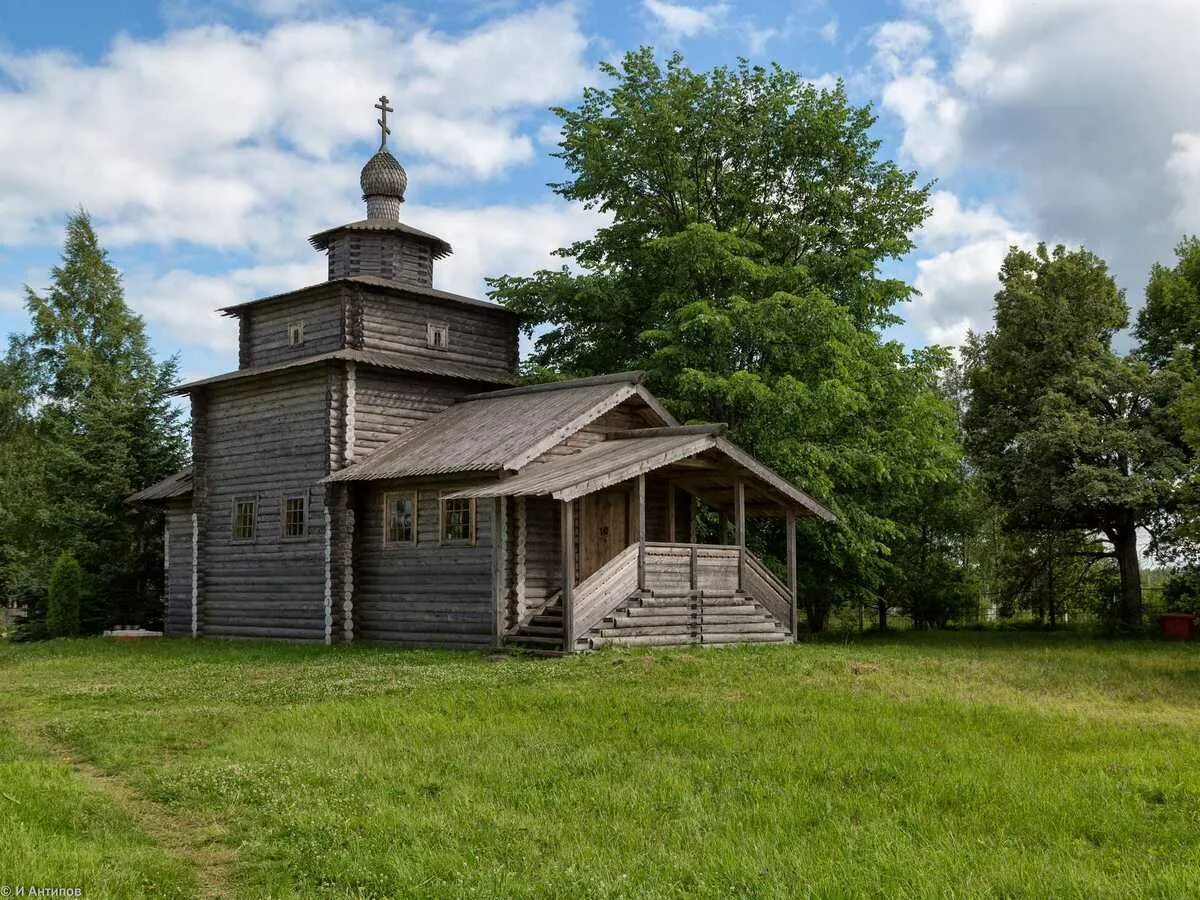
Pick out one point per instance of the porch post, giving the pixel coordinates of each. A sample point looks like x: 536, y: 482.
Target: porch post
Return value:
x: 671, y: 534
x: 500, y: 565
x: 739, y: 527
x: 640, y: 530
x: 791, y: 572
x: 693, y: 508
x: 568, y: 565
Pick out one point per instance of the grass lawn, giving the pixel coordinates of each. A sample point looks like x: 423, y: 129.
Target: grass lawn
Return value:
x: 960, y: 765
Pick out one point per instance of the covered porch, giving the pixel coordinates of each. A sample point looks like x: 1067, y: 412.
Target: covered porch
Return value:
x: 606, y: 545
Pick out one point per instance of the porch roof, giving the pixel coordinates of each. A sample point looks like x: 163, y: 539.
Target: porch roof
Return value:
x: 170, y: 488
x: 635, y: 453
x: 500, y: 430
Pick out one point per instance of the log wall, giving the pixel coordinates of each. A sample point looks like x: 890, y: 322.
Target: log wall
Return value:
x: 386, y: 404
x: 265, y: 438
x: 391, y: 256
x: 480, y: 337
x: 263, y: 329
x: 177, y: 615
x: 427, y: 594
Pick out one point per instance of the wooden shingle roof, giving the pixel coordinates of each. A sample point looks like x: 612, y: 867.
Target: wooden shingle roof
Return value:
x: 635, y: 453
x: 440, y: 248
x: 499, y: 430
x: 170, y: 488
x: 400, y: 362
x: 398, y: 288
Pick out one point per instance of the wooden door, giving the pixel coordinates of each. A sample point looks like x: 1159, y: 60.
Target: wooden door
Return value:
x: 603, y: 529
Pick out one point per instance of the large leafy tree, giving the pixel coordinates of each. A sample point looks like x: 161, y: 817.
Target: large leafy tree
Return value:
x: 749, y: 218
x: 1168, y: 329
x: 1067, y: 434
x: 92, y: 414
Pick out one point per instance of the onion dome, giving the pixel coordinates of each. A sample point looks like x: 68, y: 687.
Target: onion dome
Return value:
x: 383, y: 181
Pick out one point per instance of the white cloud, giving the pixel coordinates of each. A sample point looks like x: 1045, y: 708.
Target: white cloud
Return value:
x: 1084, y: 109
x: 11, y: 301
x: 681, y: 21
x: 232, y: 139
x: 961, y: 249
x: 1183, y: 168
x: 829, y: 31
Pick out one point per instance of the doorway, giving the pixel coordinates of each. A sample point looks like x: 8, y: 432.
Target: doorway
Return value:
x: 604, y: 529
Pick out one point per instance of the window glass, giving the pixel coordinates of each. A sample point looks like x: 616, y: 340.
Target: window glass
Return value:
x: 243, y: 520
x: 400, y: 519
x: 458, y: 520
x: 294, y: 517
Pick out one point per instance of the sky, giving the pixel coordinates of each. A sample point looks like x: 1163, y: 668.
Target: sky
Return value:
x: 209, y: 139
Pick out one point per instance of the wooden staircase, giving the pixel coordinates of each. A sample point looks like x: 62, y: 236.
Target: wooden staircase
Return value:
x: 542, y: 633
x: 651, y: 619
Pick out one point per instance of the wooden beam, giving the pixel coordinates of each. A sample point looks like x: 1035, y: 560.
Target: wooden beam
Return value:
x: 694, y: 509
x: 672, y: 536
x: 519, y: 574
x: 639, y: 532
x: 568, y: 566
x: 739, y: 528
x: 500, y: 565
x: 791, y: 572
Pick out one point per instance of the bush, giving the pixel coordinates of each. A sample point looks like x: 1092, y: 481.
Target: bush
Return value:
x: 1181, y: 594
x: 66, y: 589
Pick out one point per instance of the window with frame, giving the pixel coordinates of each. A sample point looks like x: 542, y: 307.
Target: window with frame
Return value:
x: 458, y: 522
x: 399, y: 519
x: 295, y: 516
x: 243, y: 518
x: 438, y: 335
x: 295, y: 334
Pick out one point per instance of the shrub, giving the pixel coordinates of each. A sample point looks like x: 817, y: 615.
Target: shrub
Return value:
x: 66, y: 589
x: 1182, y: 592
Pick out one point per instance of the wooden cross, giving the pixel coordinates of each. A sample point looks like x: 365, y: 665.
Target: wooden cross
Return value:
x: 383, y: 107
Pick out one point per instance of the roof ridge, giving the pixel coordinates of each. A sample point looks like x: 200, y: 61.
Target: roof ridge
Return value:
x: 630, y: 377
x: 716, y: 428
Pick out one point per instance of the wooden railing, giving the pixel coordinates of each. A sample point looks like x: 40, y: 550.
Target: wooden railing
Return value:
x: 683, y: 568
x: 604, y: 590
x: 763, y: 586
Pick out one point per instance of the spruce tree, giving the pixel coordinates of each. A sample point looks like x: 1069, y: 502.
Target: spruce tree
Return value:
x: 100, y: 423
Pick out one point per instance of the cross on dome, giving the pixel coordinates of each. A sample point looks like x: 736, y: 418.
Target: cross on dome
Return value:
x: 383, y: 107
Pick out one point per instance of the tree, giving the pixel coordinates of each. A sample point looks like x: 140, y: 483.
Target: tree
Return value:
x: 66, y: 589
x: 1067, y: 434
x: 750, y: 216
x: 95, y: 420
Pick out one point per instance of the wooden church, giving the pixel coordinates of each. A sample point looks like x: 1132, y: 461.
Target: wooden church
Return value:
x: 370, y: 473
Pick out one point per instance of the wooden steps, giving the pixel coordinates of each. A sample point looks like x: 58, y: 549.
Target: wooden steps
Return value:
x: 666, y: 619
x: 656, y: 620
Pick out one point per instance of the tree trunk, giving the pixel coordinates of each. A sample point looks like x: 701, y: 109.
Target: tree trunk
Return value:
x: 816, y: 609
x: 1053, y: 601
x: 883, y: 615
x: 1124, y: 538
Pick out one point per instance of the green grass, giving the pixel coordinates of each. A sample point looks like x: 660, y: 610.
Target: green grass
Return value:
x: 947, y: 765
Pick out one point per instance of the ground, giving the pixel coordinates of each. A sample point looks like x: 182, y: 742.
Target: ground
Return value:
x: 943, y: 765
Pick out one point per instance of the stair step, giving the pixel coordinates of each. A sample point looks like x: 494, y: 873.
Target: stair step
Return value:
x: 647, y: 629
x: 743, y: 637
x: 550, y: 630
x: 724, y: 608
x: 536, y: 640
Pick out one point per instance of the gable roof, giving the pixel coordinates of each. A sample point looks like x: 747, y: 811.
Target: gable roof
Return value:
x: 632, y: 453
x: 171, y: 487
x: 386, y: 285
x: 400, y: 362
x: 500, y: 430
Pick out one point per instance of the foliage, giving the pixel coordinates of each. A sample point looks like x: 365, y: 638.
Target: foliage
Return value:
x: 63, y: 597
x: 90, y: 422
x: 1068, y: 435
x: 1182, y: 592
x: 749, y: 217
x: 961, y: 764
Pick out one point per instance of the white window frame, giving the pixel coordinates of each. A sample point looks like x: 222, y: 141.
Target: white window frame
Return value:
x: 295, y: 333
x: 432, y: 328
x: 474, y: 527
x: 387, y: 503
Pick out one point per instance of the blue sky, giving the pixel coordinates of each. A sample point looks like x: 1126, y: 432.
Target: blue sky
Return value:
x: 209, y: 139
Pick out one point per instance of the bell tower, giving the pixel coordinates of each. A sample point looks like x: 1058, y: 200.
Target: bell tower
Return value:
x: 381, y: 245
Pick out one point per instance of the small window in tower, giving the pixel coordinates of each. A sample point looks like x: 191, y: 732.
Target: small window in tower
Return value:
x: 295, y: 334
x: 439, y: 336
